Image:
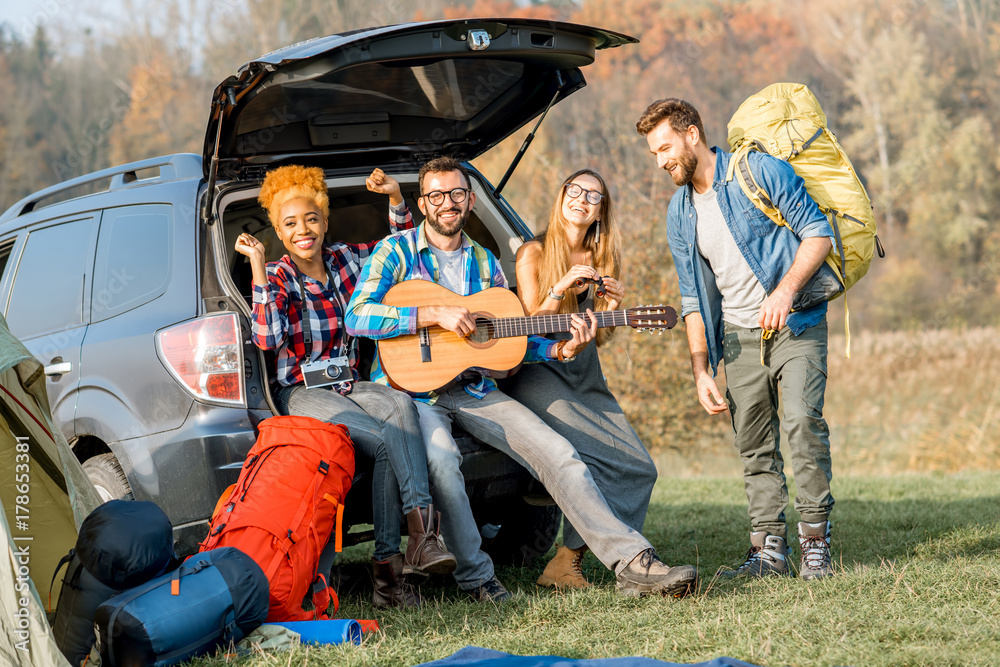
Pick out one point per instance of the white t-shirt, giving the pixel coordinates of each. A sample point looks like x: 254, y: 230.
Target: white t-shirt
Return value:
x: 742, y: 293
x: 451, y: 269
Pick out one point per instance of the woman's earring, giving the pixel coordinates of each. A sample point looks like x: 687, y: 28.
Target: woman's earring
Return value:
x: 597, y: 233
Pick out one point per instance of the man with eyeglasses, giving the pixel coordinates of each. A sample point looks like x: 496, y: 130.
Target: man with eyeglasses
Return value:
x: 439, y: 251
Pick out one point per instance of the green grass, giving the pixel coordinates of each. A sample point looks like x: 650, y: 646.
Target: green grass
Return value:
x: 917, y: 584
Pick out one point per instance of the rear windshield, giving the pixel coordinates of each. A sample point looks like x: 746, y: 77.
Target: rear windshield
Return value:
x: 454, y: 89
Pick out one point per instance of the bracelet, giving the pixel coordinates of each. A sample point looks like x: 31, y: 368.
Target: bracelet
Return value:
x: 559, y: 351
x: 556, y: 297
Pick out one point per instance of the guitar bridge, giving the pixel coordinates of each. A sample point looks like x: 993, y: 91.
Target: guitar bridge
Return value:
x: 425, y: 345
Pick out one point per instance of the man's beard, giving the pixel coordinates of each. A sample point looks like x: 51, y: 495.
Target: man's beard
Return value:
x: 688, y: 163
x: 459, y: 224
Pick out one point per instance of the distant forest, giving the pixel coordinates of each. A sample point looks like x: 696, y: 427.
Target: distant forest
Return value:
x: 911, y: 88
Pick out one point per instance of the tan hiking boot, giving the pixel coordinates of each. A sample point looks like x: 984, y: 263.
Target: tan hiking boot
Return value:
x: 564, y: 570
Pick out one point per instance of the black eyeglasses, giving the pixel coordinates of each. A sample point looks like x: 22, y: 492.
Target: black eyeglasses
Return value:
x: 593, y: 196
x: 436, y: 197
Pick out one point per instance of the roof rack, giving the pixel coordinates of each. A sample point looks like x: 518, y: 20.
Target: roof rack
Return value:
x: 172, y: 168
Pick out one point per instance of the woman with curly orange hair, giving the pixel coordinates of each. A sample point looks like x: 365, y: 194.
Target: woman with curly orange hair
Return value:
x: 299, y: 302
x: 581, y: 244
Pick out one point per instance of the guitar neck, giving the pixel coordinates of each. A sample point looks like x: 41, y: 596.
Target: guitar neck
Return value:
x: 539, y: 325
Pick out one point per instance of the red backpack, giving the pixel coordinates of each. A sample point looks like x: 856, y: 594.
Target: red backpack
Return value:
x: 284, y: 507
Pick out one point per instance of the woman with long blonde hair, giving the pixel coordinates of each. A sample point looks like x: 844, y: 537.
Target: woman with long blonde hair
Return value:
x: 582, y: 245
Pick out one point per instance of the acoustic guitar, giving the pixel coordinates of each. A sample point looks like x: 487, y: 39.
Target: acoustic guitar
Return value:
x: 433, y: 357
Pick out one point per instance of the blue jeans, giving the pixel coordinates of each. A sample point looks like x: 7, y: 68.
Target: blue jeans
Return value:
x: 505, y: 424
x: 384, y: 428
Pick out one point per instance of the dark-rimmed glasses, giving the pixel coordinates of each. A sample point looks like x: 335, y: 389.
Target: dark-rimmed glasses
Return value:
x: 436, y: 197
x: 573, y: 191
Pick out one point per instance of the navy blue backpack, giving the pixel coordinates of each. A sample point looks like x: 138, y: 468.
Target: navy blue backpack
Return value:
x: 121, y: 544
x: 213, y: 598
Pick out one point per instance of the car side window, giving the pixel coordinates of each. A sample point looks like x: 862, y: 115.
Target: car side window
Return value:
x: 133, y: 259
x: 5, y: 248
x: 48, y: 290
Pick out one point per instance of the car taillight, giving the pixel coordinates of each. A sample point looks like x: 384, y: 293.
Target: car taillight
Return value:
x: 205, y: 356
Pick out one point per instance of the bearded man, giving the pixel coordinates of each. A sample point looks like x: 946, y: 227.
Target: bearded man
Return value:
x: 754, y: 295
x: 439, y: 251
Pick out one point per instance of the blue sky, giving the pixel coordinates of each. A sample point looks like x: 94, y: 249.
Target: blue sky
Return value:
x: 23, y: 16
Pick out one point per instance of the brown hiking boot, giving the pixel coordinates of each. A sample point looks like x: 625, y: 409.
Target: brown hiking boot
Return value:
x: 424, y: 554
x: 647, y: 574
x: 564, y: 570
x: 768, y: 556
x: 391, y: 587
x: 814, y: 541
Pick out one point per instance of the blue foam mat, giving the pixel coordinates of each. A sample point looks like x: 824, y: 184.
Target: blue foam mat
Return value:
x: 474, y: 655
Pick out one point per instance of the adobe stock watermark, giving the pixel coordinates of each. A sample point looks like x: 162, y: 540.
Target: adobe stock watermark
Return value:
x: 43, y: 12
x: 691, y: 50
x: 22, y: 551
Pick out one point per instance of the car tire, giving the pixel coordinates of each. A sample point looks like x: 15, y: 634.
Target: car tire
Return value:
x: 108, y: 478
x: 525, y: 533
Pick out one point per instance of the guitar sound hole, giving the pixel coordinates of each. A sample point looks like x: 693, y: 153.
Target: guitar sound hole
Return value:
x: 484, y: 331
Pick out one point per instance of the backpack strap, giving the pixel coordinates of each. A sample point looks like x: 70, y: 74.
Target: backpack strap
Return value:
x: 321, y: 597
x: 809, y: 142
x: 62, y: 561
x: 308, y: 499
x: 832, y: 215
x: 739, y: 168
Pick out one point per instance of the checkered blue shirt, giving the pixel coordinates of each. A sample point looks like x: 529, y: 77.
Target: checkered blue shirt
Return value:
x: 277, y: 308
x: 407, y: 256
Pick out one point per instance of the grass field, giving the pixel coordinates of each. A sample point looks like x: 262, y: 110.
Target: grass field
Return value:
x: 924, y: 401
x: 918, y: 583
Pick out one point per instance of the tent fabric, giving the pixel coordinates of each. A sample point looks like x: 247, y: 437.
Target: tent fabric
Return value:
x: 42, y: 530
x: 484, y: 657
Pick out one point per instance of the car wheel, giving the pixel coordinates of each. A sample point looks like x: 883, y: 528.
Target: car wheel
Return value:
x: 108, y: 477
x: 519, y: 533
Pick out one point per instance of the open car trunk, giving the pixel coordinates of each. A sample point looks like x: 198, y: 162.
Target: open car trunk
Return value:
x: 395, y: 95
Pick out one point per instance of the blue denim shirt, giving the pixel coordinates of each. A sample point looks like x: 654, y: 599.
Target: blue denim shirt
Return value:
x: 768, y: 248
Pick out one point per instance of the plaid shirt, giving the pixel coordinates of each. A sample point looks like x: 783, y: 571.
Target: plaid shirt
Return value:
x: 277, y: 309
x: 407, y: 256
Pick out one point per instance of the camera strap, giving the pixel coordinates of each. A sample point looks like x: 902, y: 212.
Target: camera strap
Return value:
x: 305, y: 320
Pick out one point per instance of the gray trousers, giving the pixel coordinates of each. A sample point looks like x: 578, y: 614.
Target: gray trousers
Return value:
x: 796, y: 364
x: 505, y: 424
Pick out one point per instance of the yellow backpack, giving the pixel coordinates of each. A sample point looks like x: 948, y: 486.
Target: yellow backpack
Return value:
x: 786, y: 121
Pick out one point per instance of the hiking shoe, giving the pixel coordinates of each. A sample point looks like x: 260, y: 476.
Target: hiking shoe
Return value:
x: 391, y: 588
x: 425, y: 554
x: 648, y: 574
x: 490, y: 591
x: 564, y: 570
x: 767, y: 557
x: 814, y: 540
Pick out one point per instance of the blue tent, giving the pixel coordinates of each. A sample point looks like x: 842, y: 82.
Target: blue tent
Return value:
x: 484, y: 657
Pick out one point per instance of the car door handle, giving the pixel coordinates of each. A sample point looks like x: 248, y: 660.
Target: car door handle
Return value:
x: 59, y: 369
